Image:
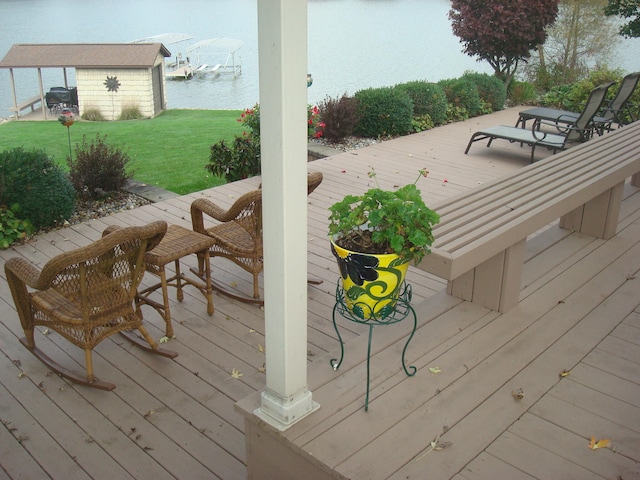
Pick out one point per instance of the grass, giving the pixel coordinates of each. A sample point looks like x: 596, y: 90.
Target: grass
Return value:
x: 169, y: 151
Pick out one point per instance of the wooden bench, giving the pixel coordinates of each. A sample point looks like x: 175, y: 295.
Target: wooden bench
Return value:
x: 480, y: 242
x: 29, y: 103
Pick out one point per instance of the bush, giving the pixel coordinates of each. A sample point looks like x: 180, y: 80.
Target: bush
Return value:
x: 522, y: 93
x: 131, y: 113
x: 340, y: 117
x: 490, y: 88
x: 238, y: 161
x: 574, y: 96
x: 98, y: 168
x: 250, y: 119
x: 93, y: 115
x: 462, y: 93
x: 12, y: 228
x: 383, y: 111
x: 428, y: 99
x: 36, y: 183
x: 422, y: 123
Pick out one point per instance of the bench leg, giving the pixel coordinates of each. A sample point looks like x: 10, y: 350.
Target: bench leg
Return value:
x: 494, y: 284
x: 598, y: 217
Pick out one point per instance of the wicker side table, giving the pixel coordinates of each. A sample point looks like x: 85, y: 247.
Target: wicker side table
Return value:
x: 177, y: 243
x: 399, y: 312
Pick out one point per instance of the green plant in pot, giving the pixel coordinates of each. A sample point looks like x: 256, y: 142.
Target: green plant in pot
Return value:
x: 374, y: 237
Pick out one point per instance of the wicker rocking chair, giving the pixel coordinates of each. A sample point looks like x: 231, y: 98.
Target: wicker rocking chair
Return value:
x: 86, y: 295
x: 238, y: 235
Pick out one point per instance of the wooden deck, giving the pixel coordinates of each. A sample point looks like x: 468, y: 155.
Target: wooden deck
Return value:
x: 579, y: 312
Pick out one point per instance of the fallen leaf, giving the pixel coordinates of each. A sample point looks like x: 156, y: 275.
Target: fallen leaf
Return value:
x: 565, y: 373
x: 260, y: 348
x: 164, y: 339
x: 435, y: 370
x: 236, y: 373
x: 604, y: 443
x: 518, y: 394
x: 436, y: 445
x: 234, y: 284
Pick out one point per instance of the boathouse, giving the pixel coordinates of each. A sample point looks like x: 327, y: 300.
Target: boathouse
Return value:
x: 109, y: 77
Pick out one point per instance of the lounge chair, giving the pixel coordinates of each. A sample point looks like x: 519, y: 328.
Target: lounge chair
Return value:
x: 86, y: 295
x: 238, y: 235
x: 614, y: 111
x: 577, y: 132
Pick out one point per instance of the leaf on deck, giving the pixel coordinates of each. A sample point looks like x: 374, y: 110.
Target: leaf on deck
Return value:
x: 594, y: 445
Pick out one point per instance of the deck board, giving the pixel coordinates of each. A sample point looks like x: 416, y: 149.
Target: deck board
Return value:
x: 176, y: 418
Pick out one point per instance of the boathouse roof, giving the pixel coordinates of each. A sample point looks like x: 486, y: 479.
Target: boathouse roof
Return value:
x: 84, y: 55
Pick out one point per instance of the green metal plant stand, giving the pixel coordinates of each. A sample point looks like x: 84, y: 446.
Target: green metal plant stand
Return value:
x: 399, y: 312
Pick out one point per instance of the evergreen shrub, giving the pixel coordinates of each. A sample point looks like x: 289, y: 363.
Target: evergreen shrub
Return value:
x: 490, y: 88
x: 32, y: 180
x: 462, y: 93
x: 428, y: 99
x: 384, y: 111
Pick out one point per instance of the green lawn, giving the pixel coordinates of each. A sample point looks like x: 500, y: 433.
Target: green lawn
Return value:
x: 169, y: 151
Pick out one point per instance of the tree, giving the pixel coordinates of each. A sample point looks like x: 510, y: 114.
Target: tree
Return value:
x: 502, y: 32
x: 580, y: 38
x: 626, y: 9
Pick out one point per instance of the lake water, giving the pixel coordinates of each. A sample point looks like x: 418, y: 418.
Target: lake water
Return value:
x: 353, y: 44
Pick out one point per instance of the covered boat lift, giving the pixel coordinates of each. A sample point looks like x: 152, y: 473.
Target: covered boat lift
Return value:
x: 216, y: 48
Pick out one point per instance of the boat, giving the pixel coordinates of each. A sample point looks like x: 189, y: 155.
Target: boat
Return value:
x: 222, y: 53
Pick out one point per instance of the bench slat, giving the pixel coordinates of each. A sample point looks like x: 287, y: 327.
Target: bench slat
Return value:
x: 518, y: 200
x: 478, y: 224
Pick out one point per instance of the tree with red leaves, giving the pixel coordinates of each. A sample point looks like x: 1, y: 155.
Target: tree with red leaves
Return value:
x: 502, y: 32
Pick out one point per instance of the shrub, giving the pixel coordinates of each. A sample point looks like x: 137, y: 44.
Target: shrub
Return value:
x: 315, y: 125
x: 12, y: 228
x: 98, y: 168
x: 340, y: 116
x: 522, y: 93
x: 422, y: 123
x: 238, y: 161
x: 456, y: 114
x: 574, y: 96
x: 383, y: 111
x: 462, y: 93
x: 36, y: 183
x: 490, y: 88
x: 428, y: 99
x: 93, y: 115
x: 131, y: 113
x: 250, y: 118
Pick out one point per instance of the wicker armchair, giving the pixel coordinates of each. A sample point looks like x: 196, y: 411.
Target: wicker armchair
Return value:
x: 238, y: 235
x: 86, y: 295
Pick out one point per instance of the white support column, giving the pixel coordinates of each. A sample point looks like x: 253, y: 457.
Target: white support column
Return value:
x: 282, y: 39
